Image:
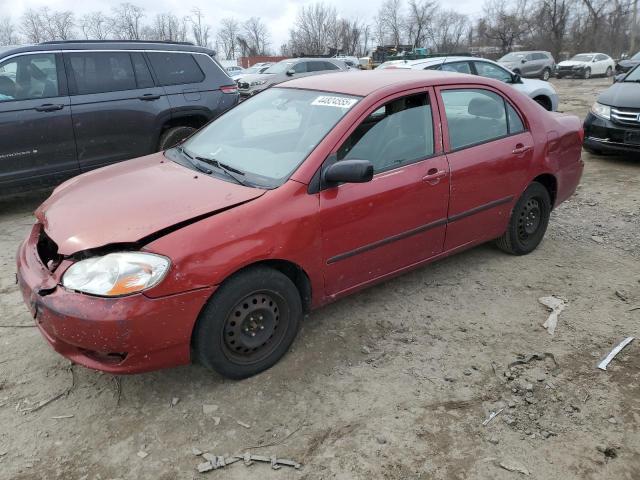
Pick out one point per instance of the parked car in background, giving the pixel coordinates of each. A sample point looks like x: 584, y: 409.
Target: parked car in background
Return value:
x: 585, y: 65
x: 234, y: 71
x: 613, y: 124
x: 623, y: 66
x: 312, y: 190
x: 69, y: 107
x: 541, y: 92
x: 286, y: 70
x: 352, y: 62
x: 251, y: 71
x: 536, y: 64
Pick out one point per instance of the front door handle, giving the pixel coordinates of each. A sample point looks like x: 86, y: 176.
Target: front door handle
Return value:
x: 434, y: 175
x: 148, y: 97
x: 521, y: 149
x: 49, y: 107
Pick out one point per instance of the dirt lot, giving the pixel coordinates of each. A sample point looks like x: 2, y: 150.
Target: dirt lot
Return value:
x: 394, y: 382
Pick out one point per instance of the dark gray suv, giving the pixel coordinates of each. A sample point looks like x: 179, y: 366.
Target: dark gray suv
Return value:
x: 69, y: 107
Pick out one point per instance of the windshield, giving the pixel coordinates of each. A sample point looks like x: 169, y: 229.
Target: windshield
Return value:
x: 582, y: 58
x: 279, y: 67
x: 636, y: 56
x: 252, y: 70
x: 512, y: 57
x: 633, y: 75
x: 268, y: 136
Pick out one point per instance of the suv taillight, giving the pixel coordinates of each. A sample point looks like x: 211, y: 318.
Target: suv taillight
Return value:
x: 229, y: 89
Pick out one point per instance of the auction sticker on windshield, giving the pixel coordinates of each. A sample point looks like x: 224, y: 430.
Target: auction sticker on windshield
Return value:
x: 330, y: 101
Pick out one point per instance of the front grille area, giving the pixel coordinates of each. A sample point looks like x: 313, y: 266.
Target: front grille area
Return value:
x: 626, y: 116
x: 48, y: 251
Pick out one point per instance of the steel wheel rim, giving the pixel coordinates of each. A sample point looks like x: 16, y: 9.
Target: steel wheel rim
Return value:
x: 255, y: 327
x: 530, y: 219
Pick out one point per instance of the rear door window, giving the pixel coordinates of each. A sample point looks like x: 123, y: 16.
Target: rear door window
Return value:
x: 474, y: 116
x: 175, y: 68
x: 100, y: 72
x: 143, y: 75
x: 490, y: 70
x: 29, y: 77
x: 301, y: 67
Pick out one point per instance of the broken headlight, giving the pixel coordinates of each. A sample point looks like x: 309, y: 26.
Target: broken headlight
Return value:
x: 116, y: 274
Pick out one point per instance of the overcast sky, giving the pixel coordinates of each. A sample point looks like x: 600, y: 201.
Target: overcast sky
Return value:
x: 277, y: 14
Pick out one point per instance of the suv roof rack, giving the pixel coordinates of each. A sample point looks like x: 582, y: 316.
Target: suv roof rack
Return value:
x: 165, y: 42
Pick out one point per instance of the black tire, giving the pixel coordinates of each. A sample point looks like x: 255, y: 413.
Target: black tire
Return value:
x: 609, y: 72
x: 249, y: 323
x: 546, y: 74
x: 528, y: 223
x: 587, y: 74
x: 174, y: 135
x: 545, y: 102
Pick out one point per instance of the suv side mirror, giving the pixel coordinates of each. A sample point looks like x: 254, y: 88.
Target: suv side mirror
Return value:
x: 349, y: 171
x: 291, y: 72
x: 524, y: 60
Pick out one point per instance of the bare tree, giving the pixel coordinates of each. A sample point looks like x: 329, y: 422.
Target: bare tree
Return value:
x: 554, y: 19
x: 59, y: 24
x: 505, y: 22
x: 199, y: 29
x: 32, y: 27
x: 313, y: 30
x: 8, y: 34
x: 419, y: 18
x: 256, y: 36
x: 390, y: 14
x: 166, y: 27
x: 96, y: 26
x: 449, y: 31
x: 127, y: 21
x: 228, y: 37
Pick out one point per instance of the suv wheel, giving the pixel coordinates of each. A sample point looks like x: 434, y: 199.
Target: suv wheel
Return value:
x: 174, y: 136
x: 546, y: 74
x: 249, y: 323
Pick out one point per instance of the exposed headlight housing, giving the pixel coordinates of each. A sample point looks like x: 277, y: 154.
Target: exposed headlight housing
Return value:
x: 255, y: 83
x: 116, y: 274
x: 602, y: 111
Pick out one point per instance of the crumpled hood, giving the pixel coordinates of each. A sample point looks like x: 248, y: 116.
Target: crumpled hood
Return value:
x: 572, y: 63
x: 269, y: 77
x: 628, y: 63
x: 621, y: 94
x: 131, y: 200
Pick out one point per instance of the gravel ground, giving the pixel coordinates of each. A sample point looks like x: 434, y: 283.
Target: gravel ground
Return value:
x: 394, y: 382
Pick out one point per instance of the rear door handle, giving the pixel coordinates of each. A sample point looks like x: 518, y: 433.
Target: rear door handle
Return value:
x: 434, y: 175
x: 520, y: 149
x: 49, y: 107
x: 148, y: 97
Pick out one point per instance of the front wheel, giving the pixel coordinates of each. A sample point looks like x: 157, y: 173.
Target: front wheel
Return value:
x: 587, y: 74
x: 609, y: 72
x: 249, y: 323
x: 529, y: 221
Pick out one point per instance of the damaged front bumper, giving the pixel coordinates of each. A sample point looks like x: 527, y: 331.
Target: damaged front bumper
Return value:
x: 120, y: 335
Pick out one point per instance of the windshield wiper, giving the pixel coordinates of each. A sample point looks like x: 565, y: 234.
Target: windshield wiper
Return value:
x: 231, y: 172
x: 195, y: 164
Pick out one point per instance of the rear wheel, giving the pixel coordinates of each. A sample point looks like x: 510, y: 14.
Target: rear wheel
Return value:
x: 529, y: 221
x: 173, y: 136
x: 546, y: 74
x: 587, y: 74
x: 609, y: 72
x: 545, y: 102
x: 249, y: 324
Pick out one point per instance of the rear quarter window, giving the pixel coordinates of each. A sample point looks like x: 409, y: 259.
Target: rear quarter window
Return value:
x: 175, y: 68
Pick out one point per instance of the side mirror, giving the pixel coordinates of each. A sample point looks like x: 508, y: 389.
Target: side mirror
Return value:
x: 524, y: 60
x: 349, y: 171
x: 291, y: 72
x: 515, y: 78
x: 619, y: 77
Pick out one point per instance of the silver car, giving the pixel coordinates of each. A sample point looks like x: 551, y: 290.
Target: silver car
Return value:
x: 541, y: 92
x: 286, y: 70
x: 530, y: 64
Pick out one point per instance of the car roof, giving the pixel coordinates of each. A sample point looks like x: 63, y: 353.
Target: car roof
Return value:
x: 106, y: 45
x: 363, y: 83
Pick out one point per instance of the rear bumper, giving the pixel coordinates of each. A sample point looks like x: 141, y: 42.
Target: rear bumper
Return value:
x: 118, y: 335
x: 607, y: 136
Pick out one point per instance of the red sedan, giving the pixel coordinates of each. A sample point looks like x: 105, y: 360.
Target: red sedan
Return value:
x: 310, y: 191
